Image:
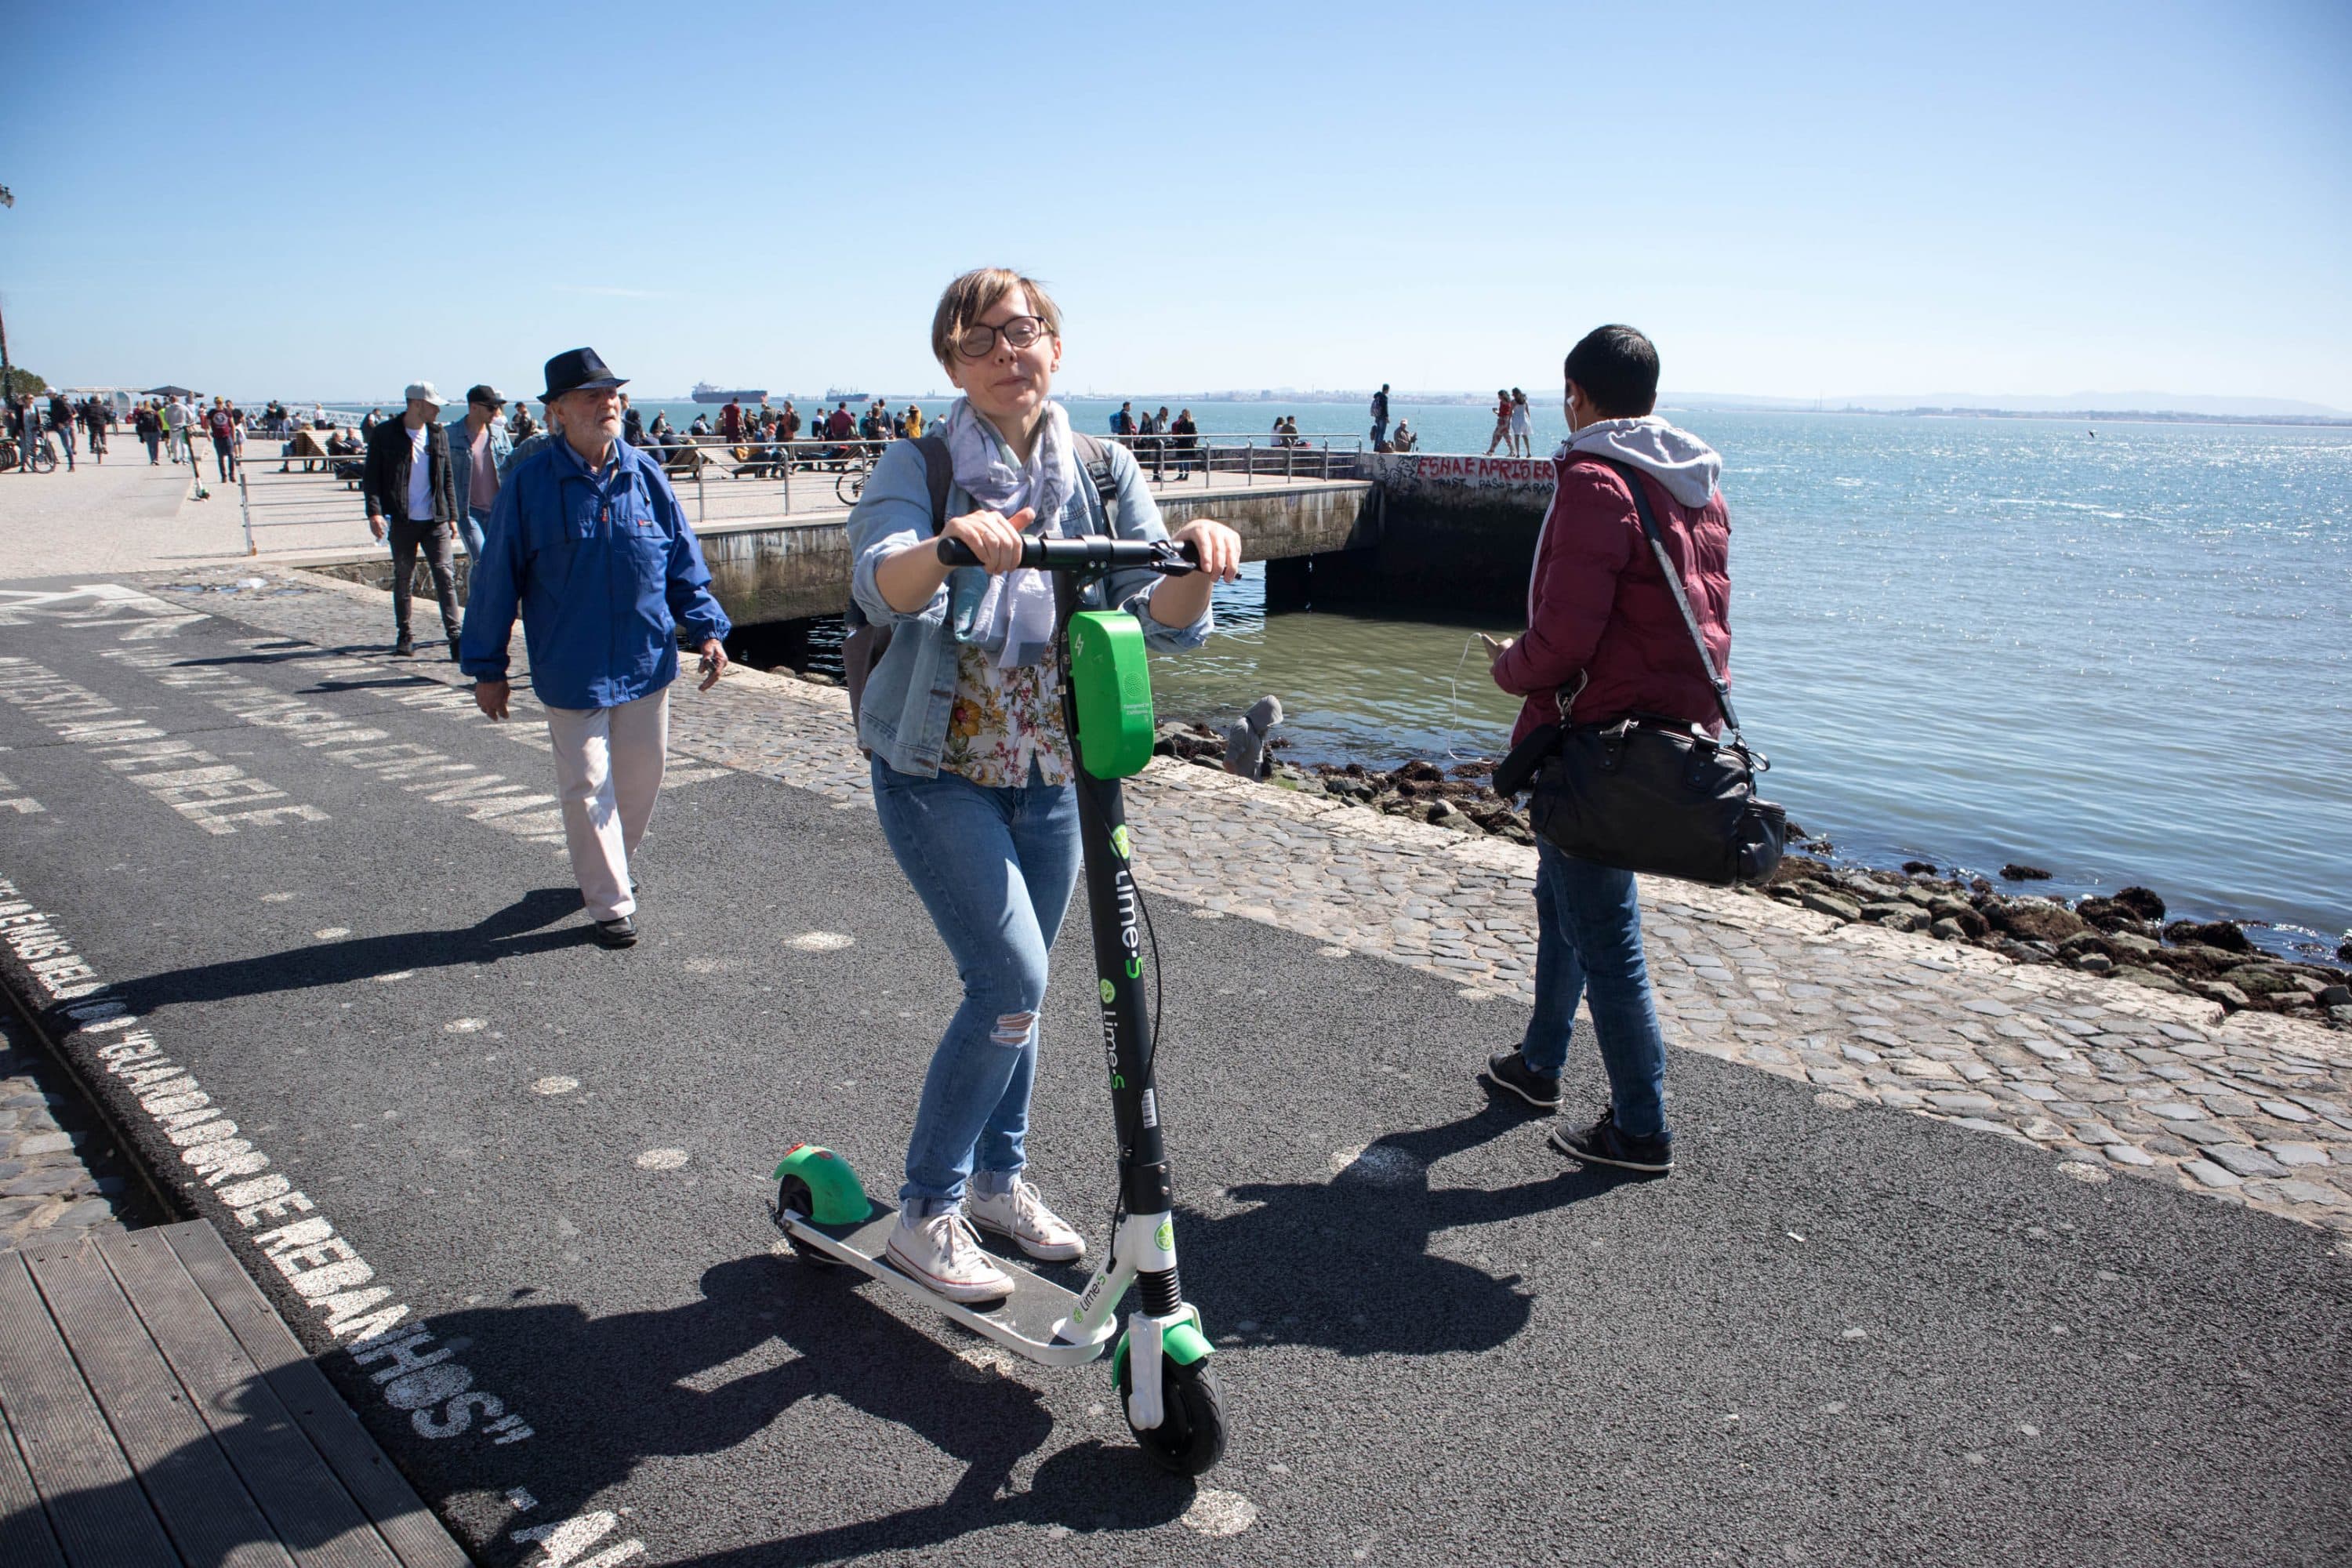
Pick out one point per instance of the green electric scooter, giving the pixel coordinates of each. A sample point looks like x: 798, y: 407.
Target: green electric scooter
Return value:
x: 1161, y: 1363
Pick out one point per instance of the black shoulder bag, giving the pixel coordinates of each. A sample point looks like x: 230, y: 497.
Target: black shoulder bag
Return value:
x: 1646, y: 794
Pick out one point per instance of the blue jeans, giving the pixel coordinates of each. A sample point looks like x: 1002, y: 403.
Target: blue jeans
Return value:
x: 470, y: 523
x: 1589, y: 943
x: 995, y: 868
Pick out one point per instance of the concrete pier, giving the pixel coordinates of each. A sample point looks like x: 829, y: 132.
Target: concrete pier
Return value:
x: 781, y: 569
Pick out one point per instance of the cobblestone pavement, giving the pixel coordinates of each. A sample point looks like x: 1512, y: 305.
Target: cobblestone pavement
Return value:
x: 60, y: 1175
x: 2109, y: 1076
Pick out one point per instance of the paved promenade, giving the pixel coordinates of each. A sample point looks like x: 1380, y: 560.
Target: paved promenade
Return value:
x: 119, y: 516
x: 2108, y: 1076
x: 1966, y: 1262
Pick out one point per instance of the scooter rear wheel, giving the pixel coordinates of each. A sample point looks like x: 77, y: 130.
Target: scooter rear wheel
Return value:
x: 793, y: 1194
x: 1191, y: 1436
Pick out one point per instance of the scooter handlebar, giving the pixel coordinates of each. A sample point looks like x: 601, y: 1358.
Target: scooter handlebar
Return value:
x: 1093, y: 553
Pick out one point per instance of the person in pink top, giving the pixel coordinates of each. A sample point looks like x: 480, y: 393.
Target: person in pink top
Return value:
x: 480, y: 451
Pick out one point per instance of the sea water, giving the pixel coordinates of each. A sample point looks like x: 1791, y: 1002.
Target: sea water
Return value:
x: 2122, y: 653
x: 2119, y: 652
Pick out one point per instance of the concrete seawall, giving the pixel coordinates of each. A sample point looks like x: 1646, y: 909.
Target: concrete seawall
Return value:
x: 1439, y: 532
x: 1452, y: 533
x: 782, y: 571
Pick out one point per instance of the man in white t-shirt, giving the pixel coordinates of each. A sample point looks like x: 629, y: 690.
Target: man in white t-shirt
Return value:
x: 179, y: 418
x: 412, y: 497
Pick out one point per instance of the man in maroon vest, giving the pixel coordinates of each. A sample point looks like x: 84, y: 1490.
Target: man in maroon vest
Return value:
x: 1605, y: 639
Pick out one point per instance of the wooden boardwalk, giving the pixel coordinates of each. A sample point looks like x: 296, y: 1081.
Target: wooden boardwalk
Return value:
x: 158, y: 1412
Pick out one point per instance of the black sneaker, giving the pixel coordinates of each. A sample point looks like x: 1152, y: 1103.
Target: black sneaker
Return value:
x: 453, y: 650
x: 405, y: 647
x: 621, y: 932
x: 1605, y: 1145
x: 1510, y: 1071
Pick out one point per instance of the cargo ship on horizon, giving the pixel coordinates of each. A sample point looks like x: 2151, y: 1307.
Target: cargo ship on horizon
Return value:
x: 706, y: 393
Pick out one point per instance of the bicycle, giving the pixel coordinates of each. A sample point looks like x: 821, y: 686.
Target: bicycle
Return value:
x: 851, y: 482
x: 44, y: 459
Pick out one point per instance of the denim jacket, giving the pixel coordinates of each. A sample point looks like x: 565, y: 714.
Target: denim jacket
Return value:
x: 461, y: 458
x: 911, y: 694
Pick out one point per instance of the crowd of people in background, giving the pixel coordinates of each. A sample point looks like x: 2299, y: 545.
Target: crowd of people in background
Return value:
x: 1157, y: 439
x: 66, y: 426
x: 763, y: 441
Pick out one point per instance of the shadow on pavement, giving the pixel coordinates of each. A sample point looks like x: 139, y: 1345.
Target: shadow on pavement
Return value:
x: 297, y: 652
x: 510, y: 933
x: 1346, y: 1263
x: 651, y: 1396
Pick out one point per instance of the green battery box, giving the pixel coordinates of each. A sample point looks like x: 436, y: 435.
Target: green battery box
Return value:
x: 1110, y: 681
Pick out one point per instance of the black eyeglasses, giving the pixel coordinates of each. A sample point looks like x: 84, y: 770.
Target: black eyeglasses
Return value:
x: 979, y: 341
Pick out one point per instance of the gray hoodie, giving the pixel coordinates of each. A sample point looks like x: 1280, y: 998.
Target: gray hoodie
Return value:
x: 1677, y: 460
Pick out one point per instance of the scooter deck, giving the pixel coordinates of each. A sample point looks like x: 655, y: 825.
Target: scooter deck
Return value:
x: 1023, y: 1322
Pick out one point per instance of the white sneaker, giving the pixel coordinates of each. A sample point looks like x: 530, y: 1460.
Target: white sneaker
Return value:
x: 940, y: 1252
x: 1018, y: 1212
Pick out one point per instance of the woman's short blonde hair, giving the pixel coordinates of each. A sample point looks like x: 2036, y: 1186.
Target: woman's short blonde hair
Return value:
x: 974, y: 295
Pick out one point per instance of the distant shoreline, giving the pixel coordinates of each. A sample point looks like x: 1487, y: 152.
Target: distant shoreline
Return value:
x: 1447, y: 400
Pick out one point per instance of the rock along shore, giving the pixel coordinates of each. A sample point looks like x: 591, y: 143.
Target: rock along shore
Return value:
x: 2126, y: 935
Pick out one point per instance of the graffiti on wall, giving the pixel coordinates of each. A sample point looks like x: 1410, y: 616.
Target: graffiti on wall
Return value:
x: 1410, y: 471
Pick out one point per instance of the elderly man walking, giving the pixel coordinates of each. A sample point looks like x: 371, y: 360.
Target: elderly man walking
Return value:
x: 412, y: 495
x: 589, y: 543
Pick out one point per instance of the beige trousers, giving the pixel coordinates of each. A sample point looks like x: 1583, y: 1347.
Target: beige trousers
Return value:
x: 608, y: 762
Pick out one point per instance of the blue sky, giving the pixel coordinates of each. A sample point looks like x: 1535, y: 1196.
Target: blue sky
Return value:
x: 1793, y: 201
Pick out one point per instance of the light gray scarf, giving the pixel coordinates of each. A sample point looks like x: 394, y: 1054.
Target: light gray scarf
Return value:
x: 1015, y: 618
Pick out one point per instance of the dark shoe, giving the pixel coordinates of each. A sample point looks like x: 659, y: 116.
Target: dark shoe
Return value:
x: 1508, y: 1071
x: 405, y: 647
x: 622, y: 932
x: 453, y: 650
x: 1605, y: 1145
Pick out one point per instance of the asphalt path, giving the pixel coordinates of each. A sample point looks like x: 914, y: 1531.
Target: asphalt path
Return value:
x: 1833, y: 1335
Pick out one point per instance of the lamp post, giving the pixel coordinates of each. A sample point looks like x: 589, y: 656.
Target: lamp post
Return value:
x: 8, y: 376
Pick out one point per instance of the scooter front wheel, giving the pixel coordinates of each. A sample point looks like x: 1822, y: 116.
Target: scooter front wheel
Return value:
x: 1191, y: 1436
x: 793, y: 1194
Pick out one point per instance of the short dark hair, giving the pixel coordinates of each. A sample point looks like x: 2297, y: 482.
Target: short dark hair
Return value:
x: 1618, y: 368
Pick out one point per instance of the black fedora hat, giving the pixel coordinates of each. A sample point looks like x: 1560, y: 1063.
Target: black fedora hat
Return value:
x: 576, y: 370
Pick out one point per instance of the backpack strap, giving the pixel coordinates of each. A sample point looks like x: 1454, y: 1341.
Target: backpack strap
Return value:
x: 1673, y: 578
x: 938, y: 474
x: 1095, y: 453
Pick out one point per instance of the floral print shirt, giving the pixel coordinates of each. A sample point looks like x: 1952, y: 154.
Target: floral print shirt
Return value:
x: 1005, y: 718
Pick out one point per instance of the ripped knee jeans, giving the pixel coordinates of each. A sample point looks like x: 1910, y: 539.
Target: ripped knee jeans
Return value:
x: 995, y: 868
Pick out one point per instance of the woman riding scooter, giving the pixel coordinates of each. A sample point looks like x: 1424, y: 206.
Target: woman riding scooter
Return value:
x: 972, y: 758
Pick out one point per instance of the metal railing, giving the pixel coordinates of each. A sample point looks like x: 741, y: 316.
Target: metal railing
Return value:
x: 315, y: 498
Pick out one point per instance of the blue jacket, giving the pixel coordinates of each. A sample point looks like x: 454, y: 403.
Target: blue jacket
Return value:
x: 461, y: 458
x: 910, y: 693
x: 604, y: 570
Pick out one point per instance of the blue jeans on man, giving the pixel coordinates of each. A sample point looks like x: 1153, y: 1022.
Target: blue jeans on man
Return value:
x: 471, y: 525
x: 1589, y: 946
x: 995, y: 867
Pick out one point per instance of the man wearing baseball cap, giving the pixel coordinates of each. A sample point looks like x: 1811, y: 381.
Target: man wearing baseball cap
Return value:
x: 588, y: 542
x: 479, y: 450
x: 412, y: 495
